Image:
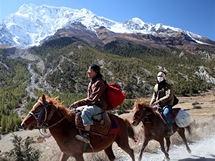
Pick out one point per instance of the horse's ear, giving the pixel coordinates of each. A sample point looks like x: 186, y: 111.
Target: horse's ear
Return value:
x: 136, y: 103
x: 43, y: 98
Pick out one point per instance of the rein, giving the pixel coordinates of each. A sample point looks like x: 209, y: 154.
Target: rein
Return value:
x: 45, y: 125
x: 144, y: 118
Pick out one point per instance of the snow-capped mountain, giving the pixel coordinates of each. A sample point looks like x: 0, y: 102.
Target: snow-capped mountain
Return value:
x: 32, y: 24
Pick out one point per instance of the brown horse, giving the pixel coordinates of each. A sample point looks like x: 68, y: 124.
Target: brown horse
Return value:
x: 155, y: 127
x: 50, y: 113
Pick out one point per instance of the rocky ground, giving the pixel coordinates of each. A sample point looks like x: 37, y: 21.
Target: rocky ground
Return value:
x: 201, y: 142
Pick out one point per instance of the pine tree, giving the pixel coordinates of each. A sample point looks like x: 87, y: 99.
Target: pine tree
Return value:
x: 22, y: 150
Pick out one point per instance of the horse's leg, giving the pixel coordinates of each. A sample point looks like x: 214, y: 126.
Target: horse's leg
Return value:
x: 109, y: 153
x: 161, y: 141
x: 142, y: 148
x: 181, y: 133
x: 64, y: 157
x: 167, y: 143
x: 122, y: 142
x: 79, y: 157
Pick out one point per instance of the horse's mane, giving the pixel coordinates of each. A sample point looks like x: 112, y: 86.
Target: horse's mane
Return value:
x: 150, y: 108
x: 144, y: 104
x: 60, y: 107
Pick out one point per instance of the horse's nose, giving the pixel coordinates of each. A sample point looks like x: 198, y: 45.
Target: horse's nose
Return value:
x: 23, y: 125
x: 134, y: 123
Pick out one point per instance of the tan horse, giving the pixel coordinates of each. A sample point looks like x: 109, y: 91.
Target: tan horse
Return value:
x: 50, y: 113
x: 155, y: 127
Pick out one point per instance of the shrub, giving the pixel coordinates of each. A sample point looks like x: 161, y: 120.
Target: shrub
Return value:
x: 22, y: 150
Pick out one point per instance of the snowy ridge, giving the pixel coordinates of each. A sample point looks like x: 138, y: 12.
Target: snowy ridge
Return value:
x: 31, y: 24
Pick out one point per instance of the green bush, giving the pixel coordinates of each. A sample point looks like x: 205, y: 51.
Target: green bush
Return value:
x: 66, y: 62
x: 22, y: 150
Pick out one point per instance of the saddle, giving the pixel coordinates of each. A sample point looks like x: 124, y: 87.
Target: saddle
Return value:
x: 101, y: 126
x: 173, y: 114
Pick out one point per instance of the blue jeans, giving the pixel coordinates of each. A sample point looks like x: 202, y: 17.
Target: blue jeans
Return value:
x: 88, y: 112
x: 166, y: 111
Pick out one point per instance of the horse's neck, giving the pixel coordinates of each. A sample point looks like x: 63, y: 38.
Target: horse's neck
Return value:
x: 155, y: 119
x: 159, y: 118
x: 63, y: 129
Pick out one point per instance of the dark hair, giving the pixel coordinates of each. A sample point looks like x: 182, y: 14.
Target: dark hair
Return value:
x: 96, y: 68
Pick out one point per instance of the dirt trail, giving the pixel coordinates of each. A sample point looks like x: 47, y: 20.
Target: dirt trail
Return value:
x: 201, y: 142
x: 202, y: 150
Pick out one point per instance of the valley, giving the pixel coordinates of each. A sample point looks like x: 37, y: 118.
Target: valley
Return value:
x: 46, y: 49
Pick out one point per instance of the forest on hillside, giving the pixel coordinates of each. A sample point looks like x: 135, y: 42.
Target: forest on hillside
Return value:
x: 134, y: 67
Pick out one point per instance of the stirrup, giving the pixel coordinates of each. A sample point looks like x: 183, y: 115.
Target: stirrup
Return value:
x: 82, y: 138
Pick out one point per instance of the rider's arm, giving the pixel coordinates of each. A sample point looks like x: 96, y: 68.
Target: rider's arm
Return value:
x: 153, y: 98
x: 98, y: 89
x: 168, y: 96
x: 154, y: 95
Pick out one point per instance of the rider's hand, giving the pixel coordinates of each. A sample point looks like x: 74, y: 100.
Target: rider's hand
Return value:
x: 154, y: 108
x: 73, y: 105
x: 156, y: 102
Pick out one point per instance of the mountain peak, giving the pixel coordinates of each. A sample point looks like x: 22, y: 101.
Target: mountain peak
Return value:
x: 86, y: 11
x: 137, y: 20
x: 25, y: 8
x: 31, y: 24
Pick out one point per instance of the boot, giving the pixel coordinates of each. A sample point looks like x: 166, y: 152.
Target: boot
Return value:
x: 169, y: 130
x: 85, y: 137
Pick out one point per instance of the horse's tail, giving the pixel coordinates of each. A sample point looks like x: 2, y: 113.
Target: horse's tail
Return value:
x: 188, y: 128
x: 131, y: 132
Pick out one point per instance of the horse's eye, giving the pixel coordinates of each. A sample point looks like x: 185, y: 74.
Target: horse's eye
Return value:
x: 136, y: 114
x: 36, y: 109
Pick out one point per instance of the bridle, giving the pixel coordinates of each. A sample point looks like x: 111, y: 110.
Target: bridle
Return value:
x: 38, y: 116
x: 138, y: 117
x: 142, y: 118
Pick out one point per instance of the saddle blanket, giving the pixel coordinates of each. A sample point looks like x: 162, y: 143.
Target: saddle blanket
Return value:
x: 107, y: 125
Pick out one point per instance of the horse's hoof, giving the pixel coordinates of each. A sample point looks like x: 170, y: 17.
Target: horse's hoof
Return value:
x: 166, y: 159
x: 189, y: 151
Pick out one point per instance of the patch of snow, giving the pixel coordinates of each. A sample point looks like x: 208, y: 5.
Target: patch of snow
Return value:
x: 31, y: 24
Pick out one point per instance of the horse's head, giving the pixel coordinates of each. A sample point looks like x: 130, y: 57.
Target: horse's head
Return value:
x: 38, y: 116
x: 140, y: 112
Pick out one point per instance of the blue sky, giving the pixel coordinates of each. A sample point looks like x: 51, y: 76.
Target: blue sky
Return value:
x: 197, y: 16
